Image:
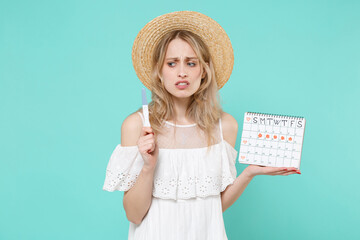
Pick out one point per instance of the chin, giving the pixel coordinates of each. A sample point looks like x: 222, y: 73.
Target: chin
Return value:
x: 182, y: 93
x: 182, y: 96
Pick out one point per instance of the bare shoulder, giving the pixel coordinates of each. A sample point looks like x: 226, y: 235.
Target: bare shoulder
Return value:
x: 229, y: 128
x: 131, y: 130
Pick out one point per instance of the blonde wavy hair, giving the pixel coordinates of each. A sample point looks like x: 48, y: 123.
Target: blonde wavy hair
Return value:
x: 204, y: 107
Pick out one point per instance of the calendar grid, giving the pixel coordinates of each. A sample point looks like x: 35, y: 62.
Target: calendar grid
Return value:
x: 272, y: 140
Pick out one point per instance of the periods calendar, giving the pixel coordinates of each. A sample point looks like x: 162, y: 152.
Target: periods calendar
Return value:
x: 272, y: 140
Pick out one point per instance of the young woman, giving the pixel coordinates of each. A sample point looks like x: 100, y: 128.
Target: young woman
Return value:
x: 179, y: 175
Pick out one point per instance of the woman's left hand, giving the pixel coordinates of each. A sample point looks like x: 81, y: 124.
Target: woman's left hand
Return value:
x: 254, y: 170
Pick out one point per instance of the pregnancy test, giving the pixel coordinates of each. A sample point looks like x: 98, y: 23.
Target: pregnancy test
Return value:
x: 145, y: 108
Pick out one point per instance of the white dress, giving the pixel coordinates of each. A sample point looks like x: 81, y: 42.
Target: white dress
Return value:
x: 186, y: 202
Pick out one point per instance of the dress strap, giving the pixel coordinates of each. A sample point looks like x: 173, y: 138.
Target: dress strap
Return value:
x: 221, y: 135
x: 142, y: 117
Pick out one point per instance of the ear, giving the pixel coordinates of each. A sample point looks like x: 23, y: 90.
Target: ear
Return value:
x: 204, y: 72
x: 203, y: 75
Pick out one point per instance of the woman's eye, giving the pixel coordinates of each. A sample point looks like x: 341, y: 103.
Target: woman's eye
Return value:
x: 172, y: 64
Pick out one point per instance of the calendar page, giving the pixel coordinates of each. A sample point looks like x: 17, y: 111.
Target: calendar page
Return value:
x: 272, y: 140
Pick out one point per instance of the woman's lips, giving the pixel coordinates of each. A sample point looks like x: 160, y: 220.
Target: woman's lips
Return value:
x: 182, y: 84
x: 182, y: 81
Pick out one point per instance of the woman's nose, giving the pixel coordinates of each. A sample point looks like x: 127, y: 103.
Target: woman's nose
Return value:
x: 182, y: 72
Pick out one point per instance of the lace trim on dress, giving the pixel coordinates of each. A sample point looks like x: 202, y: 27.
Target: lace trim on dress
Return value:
x: 123, y: 168
x: 209, y: 176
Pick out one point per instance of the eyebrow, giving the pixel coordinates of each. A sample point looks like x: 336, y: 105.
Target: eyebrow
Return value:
x: 178, y: 58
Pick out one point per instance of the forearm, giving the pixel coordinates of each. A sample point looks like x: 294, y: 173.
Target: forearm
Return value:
x: 234, y: 191
x: 137, y: 200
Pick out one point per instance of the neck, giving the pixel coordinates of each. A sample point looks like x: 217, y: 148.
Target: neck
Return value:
x: 180, y: 106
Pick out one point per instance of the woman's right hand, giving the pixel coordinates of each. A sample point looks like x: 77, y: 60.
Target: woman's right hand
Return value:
x: 148, y: 148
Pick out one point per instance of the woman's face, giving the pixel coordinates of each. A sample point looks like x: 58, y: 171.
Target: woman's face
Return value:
x: 181, y: 70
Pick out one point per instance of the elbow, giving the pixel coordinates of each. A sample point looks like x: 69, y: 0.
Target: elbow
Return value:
x: 224, y: 209
x: 223, y: 203
x: 130, y: 215
x: 134, y: 220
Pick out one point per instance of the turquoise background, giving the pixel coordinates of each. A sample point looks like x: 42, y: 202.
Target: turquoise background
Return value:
x: 67, y: 83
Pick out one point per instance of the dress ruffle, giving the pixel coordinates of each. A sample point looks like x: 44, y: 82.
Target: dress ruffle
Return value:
x: 123, y: 169
x: 179, y: 173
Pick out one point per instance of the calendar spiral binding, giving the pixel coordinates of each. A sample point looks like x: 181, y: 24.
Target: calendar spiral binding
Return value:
x: 275, y: 115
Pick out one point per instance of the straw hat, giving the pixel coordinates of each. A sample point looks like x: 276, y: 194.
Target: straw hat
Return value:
x: 208, y: 29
